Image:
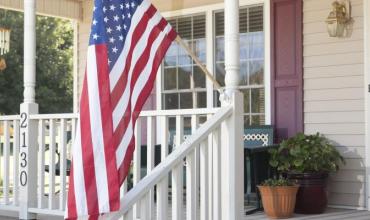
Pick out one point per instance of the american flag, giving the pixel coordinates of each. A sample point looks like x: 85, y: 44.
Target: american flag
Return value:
x: 128, y: 41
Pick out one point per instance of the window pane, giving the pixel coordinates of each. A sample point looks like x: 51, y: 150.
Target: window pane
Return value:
x: 243, y: 20
x: 199, y: 48
x: 199, y: 27
x: 202, y: 100
x: 258, y: 100
x: 220, y: 73
x: 184, y: 27
x: 219, y: 23
x: 247, y: 121
x: 256, y: 19
x: 199, y: 78
x: 186, y: 100
x: 184, y: 58
x: 244, y: 73
x: 256, y: 70
x: 220, y: 49
x: 171, y: 101
x: 256, y: 51
x: 246, y: 94
x: 244, y: 46
x: 171, y: 56
x: 216, y: 99
x: 184, y: 77
x: 169, y: 79
x: 258, y: 120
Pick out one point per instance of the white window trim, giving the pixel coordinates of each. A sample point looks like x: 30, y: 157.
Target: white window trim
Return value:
x: 367, y: 99
x: 209, y: 10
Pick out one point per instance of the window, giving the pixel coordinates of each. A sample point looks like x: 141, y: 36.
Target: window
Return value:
x: 184, y: 84
x: 251, y: 61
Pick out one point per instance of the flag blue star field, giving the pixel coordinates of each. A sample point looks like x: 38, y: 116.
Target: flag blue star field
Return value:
x: 128, y: 41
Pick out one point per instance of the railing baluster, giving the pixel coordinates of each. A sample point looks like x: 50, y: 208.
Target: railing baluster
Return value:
x: 177, y: 174
x: 150, y: 158
x: 41, y: 164
x: 63, y: 163
x: 6, y: 162
x: 144, y: 208
x: 210, y: 174
x: 216, y: 174
x: 52, y: 164
x: 191, y: 178
x: 15, y: 162
x: 162, y: 187
x: 137, y: 162
x: 204, y: 180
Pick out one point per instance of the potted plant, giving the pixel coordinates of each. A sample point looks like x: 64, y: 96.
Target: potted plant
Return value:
x: 278, y: 197
x: 308, y: 160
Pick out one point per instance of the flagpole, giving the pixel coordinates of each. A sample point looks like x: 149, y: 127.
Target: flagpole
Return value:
x: 198, y: 62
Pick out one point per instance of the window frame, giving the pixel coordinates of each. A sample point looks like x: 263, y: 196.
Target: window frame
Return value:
x: 209, y: 11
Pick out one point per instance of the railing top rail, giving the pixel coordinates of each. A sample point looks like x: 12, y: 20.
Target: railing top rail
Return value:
x: 9, y: 117
x: 162, y: 170
x: 54, y: 116
x: 185, y: 112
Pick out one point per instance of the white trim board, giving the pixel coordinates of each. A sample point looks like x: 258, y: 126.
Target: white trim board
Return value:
x: 367, y: 98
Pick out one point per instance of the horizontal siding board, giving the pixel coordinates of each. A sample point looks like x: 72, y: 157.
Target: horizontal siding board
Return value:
x: 323, y: 38
x: 346, y: 187
x: 321, y: 27
x: 313, y: 5
x: 334, y: 60
x: 334, y: 71
x: 354, y: 163
x: 349, y: 128
x: 334, y: 106
x: 334, y: 117
x: 334, y: 94
x: 334, y: 48
x: 318, y: 15
x: 334, y: 83
x: 349, y: 141
x: 341, y: 199
x: 345, y: 175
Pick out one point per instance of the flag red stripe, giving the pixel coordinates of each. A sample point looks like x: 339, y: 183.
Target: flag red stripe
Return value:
x: 140, y: 64
x: 87, y: 152
x: 139, y: 30
x: 125, y: 166
x: 71, y: 195
x: 107, y: 124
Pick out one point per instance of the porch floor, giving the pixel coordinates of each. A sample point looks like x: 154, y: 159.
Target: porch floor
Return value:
x: 330, y: 214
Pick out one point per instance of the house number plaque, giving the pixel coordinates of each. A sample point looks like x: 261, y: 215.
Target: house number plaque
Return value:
x: 23, y: 150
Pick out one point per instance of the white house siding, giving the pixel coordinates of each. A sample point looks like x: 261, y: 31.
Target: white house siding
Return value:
x: 334, y: 96
x: 58, y: 8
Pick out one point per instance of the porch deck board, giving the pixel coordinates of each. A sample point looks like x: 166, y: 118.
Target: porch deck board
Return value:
x: 330, y: 214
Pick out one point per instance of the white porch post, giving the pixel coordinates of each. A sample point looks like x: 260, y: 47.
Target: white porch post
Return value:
x: 232, y: 167
x: 28, y: 128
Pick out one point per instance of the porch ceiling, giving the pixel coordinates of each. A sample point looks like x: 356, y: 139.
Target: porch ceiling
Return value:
x: 71, y: 9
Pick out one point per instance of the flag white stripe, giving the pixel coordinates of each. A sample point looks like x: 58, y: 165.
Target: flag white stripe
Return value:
x: 118, y: 67
x: 121, y: 151
x: 97, y: 131
x: 121, y: 107
x: 78, y: 174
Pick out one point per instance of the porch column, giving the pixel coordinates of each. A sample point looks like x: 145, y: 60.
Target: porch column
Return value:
x: 28, y: 128
x: 232, y: 167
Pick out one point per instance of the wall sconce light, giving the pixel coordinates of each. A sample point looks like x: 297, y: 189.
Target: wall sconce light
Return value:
x: 338, y: 18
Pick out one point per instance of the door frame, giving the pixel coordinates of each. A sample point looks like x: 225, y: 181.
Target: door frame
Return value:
x: 367, y: 98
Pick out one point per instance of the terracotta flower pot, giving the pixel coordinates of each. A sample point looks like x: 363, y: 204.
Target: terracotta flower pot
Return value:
x: 278, y: 201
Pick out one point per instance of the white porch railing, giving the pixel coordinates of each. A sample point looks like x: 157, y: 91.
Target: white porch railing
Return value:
x: 199, y: 195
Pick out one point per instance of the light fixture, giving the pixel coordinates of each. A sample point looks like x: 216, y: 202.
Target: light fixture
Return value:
x: 338, y: 18
x: 4, y: 45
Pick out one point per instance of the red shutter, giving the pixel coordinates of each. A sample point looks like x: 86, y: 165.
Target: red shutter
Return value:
x: 286, y: 67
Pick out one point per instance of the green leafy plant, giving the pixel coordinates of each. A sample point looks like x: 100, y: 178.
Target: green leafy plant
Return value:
x: 277, y: 182
x: 306, y: 154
